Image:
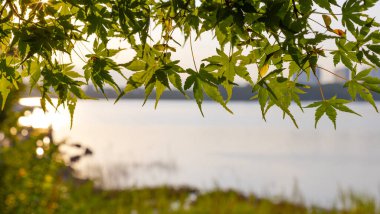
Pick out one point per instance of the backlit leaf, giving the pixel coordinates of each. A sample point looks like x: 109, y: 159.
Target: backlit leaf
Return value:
x: 264, y: 70
x: 5, y: 89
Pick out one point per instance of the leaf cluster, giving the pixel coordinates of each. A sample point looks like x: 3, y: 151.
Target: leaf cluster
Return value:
x: 266, y: 43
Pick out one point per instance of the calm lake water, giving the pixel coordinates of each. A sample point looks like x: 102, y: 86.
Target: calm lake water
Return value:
x: 174, y: 144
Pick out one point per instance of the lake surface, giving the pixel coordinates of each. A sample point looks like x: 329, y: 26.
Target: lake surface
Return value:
x: 174, y: 144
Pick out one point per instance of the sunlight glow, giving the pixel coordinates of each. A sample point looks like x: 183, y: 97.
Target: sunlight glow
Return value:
x: 46, y: 140
x: 39, y: 151
x: 24, y: 132
x: 30, y: 102
x: 13, y: 130
x: 39, y: 143
x: 39, y: 119
x: 44, y: 1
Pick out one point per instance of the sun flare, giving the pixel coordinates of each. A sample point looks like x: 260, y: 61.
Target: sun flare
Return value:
x: 39, y: 119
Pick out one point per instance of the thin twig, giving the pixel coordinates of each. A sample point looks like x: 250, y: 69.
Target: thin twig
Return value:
x: 317, y: 23
x: 14, y: 10
x: 230, y: 53
x: 334, y: 73
x: 295, y: 9
x: 321, y: 13
x: 88, y: 50
x: 79, y: 55
x: 2, y: 9
x: 73, y: 44
x: 192, y: 52
x: 319, y: 84
x: 20, y: 18
x: 330, y: 50
x: 302, y: 71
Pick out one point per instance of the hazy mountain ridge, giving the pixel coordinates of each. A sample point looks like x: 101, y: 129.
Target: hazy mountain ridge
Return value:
x: 242, y: 93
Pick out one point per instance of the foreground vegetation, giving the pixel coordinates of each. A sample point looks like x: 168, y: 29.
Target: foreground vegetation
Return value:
x: 35, y: 178
x: 44, y: 184
x: 185, y: 200
x: 33, y: 184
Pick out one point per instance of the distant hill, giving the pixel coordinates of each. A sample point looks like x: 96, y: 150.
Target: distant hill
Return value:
x: 242, y: 93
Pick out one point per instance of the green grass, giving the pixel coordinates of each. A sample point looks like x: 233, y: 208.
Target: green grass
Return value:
x: 165, y: 199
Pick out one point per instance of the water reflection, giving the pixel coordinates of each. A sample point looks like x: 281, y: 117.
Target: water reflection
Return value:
x: 38, y: 119
x: 237, y: 151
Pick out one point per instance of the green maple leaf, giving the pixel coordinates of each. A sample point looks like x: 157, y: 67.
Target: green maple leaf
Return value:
x: 329, y: 107
x: 5, y: 89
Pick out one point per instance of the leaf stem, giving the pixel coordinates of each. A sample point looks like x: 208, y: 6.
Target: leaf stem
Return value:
x: 334, y: 73
x: 319, y: 84
x: 88, y: 50
x: 192, y: 52
x: 79, y: 55
x: 317, y: 23
x: 321, y: 13
x: 330, y: 50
